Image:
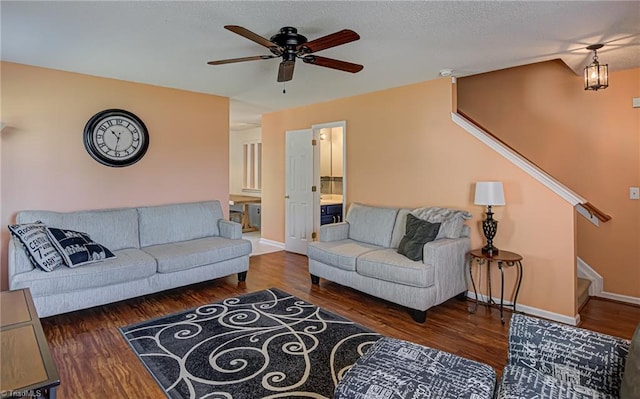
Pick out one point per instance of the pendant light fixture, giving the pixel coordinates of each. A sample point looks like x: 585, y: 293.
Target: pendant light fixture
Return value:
x: 596, y: 76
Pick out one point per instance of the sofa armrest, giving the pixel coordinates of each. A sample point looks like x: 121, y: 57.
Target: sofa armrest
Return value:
x: 18, y: 260
x: 448, y: 257
x: 334, y: 232
x: 568, y: 353
x: 229, y: 229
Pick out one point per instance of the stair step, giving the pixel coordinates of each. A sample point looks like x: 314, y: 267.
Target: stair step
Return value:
x: 583, y: 291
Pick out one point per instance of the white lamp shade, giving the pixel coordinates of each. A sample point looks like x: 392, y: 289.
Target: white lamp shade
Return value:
x: 489, y: 193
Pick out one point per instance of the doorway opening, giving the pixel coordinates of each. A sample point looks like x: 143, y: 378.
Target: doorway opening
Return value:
x: 315, y: 187
x: 331, y: 162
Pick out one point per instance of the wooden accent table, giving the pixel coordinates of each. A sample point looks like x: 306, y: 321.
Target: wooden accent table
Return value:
x: 245, y: 200
x: 27, y: 367
x: 502, y: 258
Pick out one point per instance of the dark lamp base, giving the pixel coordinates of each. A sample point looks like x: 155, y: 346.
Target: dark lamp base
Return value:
x: 489, y: 228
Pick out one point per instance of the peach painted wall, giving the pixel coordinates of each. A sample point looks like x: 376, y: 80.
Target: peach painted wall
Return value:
x: 404, y: 150
x: 588, y: 140
x: 45, y: 165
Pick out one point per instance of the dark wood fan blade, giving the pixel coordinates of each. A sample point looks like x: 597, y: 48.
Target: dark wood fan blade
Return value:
x: 285, y: 72
x: 232, y: 60
x: 244, y: 32
x: 332, y: 63
x: 332, y: 40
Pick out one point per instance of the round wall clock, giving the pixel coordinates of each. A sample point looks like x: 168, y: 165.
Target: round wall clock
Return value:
x: 116, y: 137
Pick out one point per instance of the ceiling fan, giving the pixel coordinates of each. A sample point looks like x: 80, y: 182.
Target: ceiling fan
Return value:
x: 289, y: 45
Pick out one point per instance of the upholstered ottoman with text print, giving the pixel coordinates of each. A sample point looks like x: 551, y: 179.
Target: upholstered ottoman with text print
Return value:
x: 395, y: 369
x: 549, y: 360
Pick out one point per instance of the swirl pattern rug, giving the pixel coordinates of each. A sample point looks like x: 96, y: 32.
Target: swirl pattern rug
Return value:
x: 266, y: 344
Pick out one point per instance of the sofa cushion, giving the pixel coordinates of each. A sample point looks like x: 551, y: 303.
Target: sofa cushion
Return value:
x: 419, y: 232
x: 37, y: 245
x: 371, y: 225
x: 178, y: 222
x: 341, y: 254
x: 129, y: 264
x: 114, y: 228
x: 389, y: 265
x: 77, y: 248
x: 184, y: 255
x: 631, y: 378
x: 452, y: 220
x: 522, y: 382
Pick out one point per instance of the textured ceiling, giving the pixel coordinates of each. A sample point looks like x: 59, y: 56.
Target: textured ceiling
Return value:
x: 168, y: 43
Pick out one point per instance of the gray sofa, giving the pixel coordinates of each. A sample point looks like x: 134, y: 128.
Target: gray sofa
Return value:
x: 361, y: 253
x: 156, y: 248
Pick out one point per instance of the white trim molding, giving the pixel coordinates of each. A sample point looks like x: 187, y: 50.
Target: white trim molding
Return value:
x: 587, y: 272
x: 619, y: 297
x: 531, y: 311
x: 597, y: 285
x: 547, y: 180
x: 276, y: 244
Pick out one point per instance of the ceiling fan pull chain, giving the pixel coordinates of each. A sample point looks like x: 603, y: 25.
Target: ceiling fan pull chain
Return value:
x: 284, y: 88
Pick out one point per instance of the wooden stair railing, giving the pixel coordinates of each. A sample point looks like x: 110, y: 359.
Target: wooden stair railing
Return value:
x: 603, y: 217
x: 592, y: 209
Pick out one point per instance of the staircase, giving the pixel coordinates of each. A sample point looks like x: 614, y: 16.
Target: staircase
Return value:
x: 583, y: 207
x: 582, y: 293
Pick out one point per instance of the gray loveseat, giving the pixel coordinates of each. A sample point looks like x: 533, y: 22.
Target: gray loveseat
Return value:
x: 156, y: 248
x: 361, y: 253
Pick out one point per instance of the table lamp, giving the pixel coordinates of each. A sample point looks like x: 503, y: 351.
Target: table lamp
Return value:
x: 489, y: 193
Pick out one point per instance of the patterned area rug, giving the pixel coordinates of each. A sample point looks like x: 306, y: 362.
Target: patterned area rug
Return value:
x: 266, y: 344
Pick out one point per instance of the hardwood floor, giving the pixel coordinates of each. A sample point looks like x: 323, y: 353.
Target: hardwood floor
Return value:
x: 94, y: 361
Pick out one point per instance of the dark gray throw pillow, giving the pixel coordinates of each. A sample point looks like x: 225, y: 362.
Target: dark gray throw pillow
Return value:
x: 419, y: 232
x: 631, y: 378
x: 77, y: 248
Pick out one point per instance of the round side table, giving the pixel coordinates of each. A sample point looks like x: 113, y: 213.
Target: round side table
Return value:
x: 503, y: 259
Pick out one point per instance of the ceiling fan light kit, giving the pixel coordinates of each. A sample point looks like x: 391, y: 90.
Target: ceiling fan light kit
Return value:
x: 288, y: 44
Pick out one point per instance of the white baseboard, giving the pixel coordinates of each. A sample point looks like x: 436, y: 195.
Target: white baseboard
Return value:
x: 620, y: 298
x: 529, y: 310
x: 597, y: 285
x: 272, y: 243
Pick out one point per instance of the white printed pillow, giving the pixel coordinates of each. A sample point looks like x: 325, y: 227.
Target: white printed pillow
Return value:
x: 33, y: 237
x: 77, y: 248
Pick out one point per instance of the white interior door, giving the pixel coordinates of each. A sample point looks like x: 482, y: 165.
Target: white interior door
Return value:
x: 299, y: 199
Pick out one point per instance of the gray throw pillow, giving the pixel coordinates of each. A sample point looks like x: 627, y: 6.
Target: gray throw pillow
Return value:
x: 419, y: 232
x: 631, y: 378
